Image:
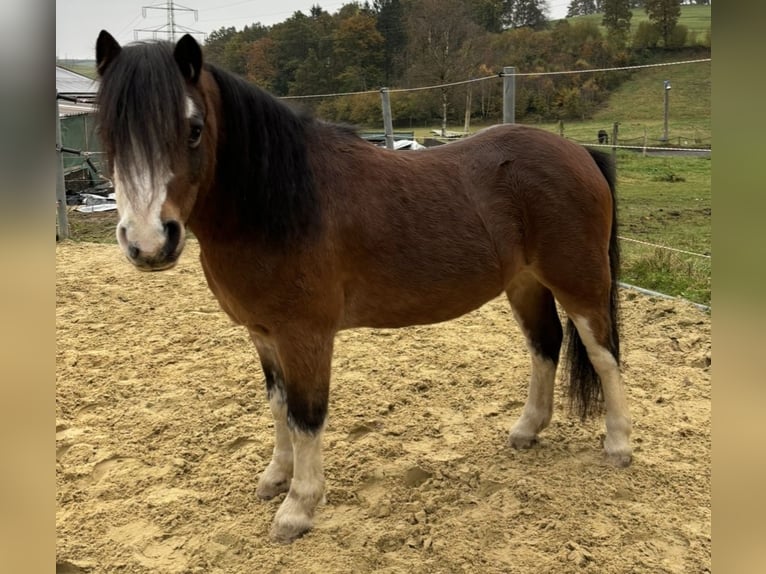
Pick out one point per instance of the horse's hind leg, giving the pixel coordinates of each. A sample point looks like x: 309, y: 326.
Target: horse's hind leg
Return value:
x: 278, y: 474
x: 535, y: 311
x: 593, y: 330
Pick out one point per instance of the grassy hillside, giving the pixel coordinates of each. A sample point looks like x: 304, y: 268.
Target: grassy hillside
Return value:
x: 638, y: 105
x: 697, y: 20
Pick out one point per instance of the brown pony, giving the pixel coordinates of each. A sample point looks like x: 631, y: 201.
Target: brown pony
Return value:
x: 306, y: 229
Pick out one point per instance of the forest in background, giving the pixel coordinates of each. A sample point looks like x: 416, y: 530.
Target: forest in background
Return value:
x: 403, y: 44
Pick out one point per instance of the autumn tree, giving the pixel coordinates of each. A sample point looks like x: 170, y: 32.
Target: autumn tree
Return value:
x: 261, y: 67
x: 358, y: 49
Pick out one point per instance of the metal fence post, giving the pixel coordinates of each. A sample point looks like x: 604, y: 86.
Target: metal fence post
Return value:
x: 388, y: 125
x: 509, y: 94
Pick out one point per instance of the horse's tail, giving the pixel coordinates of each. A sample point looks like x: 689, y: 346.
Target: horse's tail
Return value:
x: 585, y: 392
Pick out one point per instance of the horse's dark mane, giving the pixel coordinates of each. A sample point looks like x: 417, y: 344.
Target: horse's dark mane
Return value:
x: 263, y: 165
x: 263, y: 175
x: 141, y: 111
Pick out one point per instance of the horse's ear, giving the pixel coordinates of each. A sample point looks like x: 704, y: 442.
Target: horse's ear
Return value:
x: 188, y: 54
x: 107, y: 49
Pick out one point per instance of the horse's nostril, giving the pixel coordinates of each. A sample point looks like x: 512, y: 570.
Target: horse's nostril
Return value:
x: 172, y: 236
x: 133, y: 251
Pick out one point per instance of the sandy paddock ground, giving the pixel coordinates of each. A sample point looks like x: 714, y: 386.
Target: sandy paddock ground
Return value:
x: 162, y: 429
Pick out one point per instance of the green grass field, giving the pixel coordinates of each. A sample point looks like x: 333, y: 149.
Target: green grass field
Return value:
x: 85, y: 67
x: 697, y: 20
x: 638, y: 106
x: 666, y: 201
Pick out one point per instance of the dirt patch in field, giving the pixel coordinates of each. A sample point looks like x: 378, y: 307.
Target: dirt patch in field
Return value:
x: 162, y: 429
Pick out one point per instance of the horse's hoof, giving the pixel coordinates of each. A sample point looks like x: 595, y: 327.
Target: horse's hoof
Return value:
x: 522, y: 442
x: 620, y: 459
x: 285, y: 532
x: 618, y: 450
x: 268, y: 490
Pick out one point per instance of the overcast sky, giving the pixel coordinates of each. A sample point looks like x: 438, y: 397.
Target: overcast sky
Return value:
x: 78, y: 22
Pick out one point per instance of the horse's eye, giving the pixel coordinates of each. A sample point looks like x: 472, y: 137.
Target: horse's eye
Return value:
x: 195, y: 134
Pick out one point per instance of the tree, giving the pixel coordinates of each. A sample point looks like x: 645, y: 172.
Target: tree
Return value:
x: 235, y: 55
x: 664, y: 15
x: 487, y: 13
x: 260, y: 67
x: 359, y: 47
x: 254, y: 32
x: 645, y: 36
x: 525, y: 14
x: 617, y: 15
x: 582, y: 8
x: 390, y: 23
x: 303, y: 43
x: 215, y: 44
x: 442, y: 45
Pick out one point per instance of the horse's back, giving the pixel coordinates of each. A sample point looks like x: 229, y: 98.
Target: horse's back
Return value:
x: 447, y: 229
x: 550, y: 210
x: 539, y: 196
x: 406, y: 235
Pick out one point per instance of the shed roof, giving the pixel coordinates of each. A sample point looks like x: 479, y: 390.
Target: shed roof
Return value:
x: 67, y: 109
x: 72, y: 84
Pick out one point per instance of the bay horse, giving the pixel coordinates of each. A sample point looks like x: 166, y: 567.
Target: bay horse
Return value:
x: 305, y: 229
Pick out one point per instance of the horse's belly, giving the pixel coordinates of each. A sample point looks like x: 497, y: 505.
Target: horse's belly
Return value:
x: 401, y: 305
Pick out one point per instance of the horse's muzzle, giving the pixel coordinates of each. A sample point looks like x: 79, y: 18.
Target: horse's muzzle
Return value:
x: 164, y: 257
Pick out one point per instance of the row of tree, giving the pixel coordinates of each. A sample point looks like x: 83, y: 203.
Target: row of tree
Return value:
x: 585, y: 7
x: 413, y: 43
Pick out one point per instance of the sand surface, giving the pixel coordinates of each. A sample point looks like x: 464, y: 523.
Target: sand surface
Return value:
x: 162, y: 429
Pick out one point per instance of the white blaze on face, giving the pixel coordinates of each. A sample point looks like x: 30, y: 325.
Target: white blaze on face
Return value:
x: 139, y: 202
x: 190, y: 107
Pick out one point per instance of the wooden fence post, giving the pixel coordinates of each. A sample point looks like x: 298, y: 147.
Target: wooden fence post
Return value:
x: 61, y: 214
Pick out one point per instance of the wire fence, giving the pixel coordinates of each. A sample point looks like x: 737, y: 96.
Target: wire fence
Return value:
x: 665, y: 247
x: 640, y: 143
x: 497, y: 76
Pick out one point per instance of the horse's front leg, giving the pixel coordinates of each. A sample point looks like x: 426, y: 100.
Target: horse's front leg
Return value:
x: 305, y: 361
x: 276, y: 478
